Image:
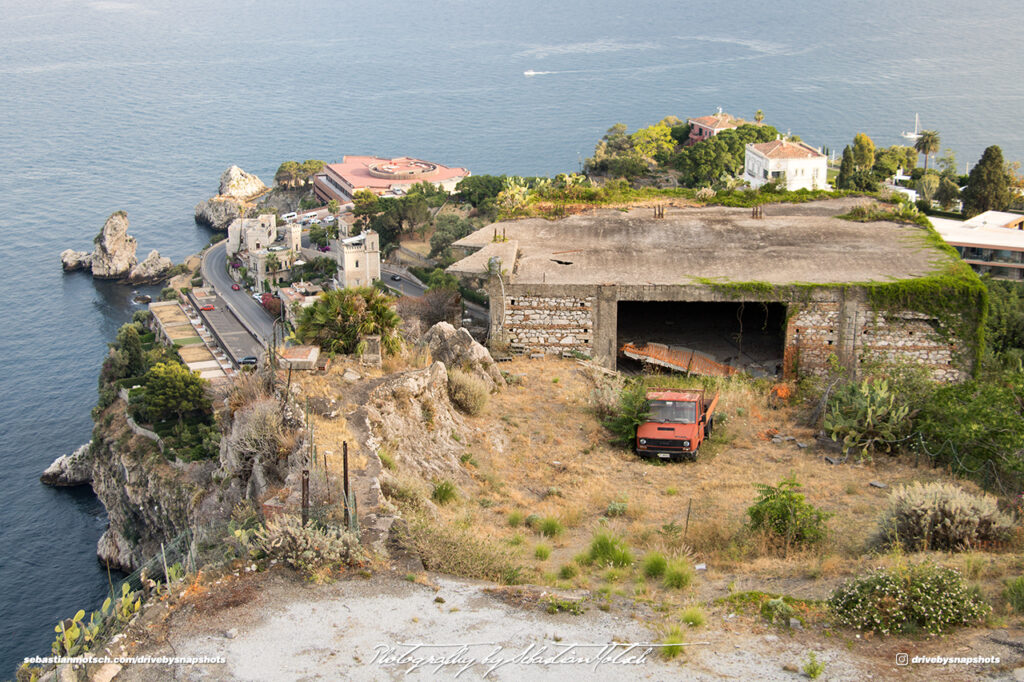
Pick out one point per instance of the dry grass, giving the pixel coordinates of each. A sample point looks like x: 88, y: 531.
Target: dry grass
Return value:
x: 539, y: 436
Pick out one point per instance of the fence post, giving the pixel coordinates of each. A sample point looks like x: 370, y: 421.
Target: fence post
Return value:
x: 344, y: 463
x: 305, y: 497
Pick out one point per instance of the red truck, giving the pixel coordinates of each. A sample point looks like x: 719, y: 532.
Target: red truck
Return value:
x: 678, y: 423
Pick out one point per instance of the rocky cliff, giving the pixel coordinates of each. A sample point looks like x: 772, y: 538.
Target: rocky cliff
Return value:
x: 114, y: 256
x: 235, y: 189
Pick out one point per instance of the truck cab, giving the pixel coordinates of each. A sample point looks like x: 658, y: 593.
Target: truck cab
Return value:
x: 678, y: 422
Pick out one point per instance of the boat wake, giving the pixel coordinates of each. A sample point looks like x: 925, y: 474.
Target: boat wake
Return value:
x: 531, y: 72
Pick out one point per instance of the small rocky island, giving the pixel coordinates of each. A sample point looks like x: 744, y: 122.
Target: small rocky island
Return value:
x: 114, y: 256
x: 236, y: 188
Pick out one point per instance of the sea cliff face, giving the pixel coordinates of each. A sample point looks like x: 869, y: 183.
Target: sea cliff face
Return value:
x: 235, y: 189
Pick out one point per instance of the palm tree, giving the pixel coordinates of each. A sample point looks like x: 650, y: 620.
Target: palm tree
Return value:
x: 340, y: 318
x: 758, y: 116
x: 927, y: 144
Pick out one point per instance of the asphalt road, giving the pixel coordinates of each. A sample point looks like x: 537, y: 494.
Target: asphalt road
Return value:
x: 251, y: 313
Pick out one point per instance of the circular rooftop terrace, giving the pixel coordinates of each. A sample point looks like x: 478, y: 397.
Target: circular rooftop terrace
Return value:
x: 401, y: 169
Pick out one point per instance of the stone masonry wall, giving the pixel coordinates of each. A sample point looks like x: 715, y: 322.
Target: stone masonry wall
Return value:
x: 549, y: 324
x: 852, y: 335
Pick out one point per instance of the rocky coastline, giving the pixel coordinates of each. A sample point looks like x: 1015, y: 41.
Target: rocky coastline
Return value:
x: 113, y: 257
x: 236, y: 189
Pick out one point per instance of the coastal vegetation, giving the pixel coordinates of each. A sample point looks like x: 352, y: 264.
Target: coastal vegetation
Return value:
x: 340, y: 319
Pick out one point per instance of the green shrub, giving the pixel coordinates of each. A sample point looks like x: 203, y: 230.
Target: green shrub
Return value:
x: 515, y: 518
x: 693, y: 616
x: 457, y: 551
x: 678, y: 575
x: 531, y: 521
x: 866, y: 416
x: 942, y: 516
x: 777, y: 611
x: 306, y: 548
x: 549, y: 527
x: 542, y: 552
x: 907, y: 599
x: 386, y: 459
x: 1014, y: 594
x: 782, y: 512
x: 467, y: 391
x: 654, y: 564
x: 615, y: 509
x: 608, y: 550
x: 632, y: 411
x: 813, y: 668
x: 443, y: 492
x: 568, y: 572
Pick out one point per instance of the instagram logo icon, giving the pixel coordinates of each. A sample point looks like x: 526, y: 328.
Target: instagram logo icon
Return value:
x: 902, y: 659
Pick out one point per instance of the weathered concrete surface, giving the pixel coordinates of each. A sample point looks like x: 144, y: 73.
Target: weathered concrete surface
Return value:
x: 792, y: 243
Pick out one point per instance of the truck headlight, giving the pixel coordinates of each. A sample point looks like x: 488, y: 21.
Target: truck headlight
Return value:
x: 643, y: 441
x: 686, y: 443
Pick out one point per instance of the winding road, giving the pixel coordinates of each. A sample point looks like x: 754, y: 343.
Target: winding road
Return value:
x: 246, y: 309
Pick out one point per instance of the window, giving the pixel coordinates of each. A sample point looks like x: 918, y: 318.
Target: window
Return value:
x: 357, y: 264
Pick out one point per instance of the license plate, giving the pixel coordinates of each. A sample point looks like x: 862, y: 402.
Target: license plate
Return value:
x: 664, y: 455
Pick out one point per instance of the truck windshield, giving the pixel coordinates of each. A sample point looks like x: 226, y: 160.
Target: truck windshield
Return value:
x: 673, y: 411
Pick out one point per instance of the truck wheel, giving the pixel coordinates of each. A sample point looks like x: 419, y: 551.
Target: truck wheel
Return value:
x: 709, y: 427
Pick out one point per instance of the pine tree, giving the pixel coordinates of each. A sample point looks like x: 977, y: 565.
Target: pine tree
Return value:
x: 988, y: 186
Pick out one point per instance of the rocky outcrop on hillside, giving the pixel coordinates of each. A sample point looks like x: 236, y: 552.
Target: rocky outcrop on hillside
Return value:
x: 151, y: 270
x: 69, y: 470
x: 410, y: 414
x: 236, y: 187
x: 456, y: 348
x: 114, y: 256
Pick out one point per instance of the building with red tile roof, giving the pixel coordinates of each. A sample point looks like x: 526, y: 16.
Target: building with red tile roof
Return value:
x: 706, y: 127
x: 800, y: 165
x: 340, y: 181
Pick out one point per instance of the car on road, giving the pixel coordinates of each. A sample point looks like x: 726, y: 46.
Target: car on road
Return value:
x: 396, y: 278
x: 207, y: 307
x: 329, y: 219
x: 248, y: 360
x: 289, y: 217
x: 235, y: 287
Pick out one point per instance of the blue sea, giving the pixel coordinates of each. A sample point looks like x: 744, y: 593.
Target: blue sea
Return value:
x: 139, y: 106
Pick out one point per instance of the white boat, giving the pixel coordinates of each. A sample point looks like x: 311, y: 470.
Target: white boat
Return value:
x: 531, y: 72
x: 916, y: 135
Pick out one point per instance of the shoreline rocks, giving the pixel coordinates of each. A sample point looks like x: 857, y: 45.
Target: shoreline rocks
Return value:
x: 69, y: 470
x: 114, y: 256
x: 236, y: 187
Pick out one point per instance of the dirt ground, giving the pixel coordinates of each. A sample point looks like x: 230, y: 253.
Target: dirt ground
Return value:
x: 538, y: 448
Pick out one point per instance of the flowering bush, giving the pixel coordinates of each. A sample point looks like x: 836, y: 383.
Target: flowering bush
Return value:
x: 907, y: 599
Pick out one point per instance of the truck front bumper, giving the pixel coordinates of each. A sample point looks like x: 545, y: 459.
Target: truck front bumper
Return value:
x: 671, y: 454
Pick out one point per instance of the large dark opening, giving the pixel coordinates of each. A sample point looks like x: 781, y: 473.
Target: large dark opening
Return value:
x: 748, y: 335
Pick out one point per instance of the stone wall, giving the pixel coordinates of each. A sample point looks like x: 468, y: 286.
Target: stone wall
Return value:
x: 851, y: 334
x: 549, y: 324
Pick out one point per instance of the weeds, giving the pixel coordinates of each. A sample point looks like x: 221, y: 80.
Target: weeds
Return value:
x: 1014, y: 594
x: 678, y: 575
x: 515, y: 518
x: 813, y: 668
x: 693, y: 616
x: 444, y: 492
x: 550, y: 527
x: 654, y: 565
x: 673, y: 642
x: 542, y: 552
x: 608, y: 550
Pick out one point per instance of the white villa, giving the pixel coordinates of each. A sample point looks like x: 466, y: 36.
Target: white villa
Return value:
x: 800, y: 165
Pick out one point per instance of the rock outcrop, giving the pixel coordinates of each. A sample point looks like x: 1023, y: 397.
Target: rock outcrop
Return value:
x: 217, y: 213
x: 114, y: 255
x: 70, y: 470
x: 72, y: 260
x: 151, y: 270
x: 237, y: 184
x: 236, y: 187
x: 456, y: 348
x: 411, y: 413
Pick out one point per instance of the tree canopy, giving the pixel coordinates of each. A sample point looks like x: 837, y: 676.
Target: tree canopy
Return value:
x: 988, y: 186
x: 340, y: 319
x: 927, y: 144
x: 863, y: 151
x: 173, y: 390
x: 294, y: 174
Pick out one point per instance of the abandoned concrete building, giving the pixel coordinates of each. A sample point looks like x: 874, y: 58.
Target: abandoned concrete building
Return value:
x: 781, y: 291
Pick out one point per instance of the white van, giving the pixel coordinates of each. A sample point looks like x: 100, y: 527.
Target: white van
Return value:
x: 289, y: 217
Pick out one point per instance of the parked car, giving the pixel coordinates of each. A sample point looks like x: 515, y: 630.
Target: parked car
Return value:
x: 248, y: 360
x: 235, y: 287
x: 256, y: 297
x: 329, y: 219
x: 396, y: 278
x: 207, y: 307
